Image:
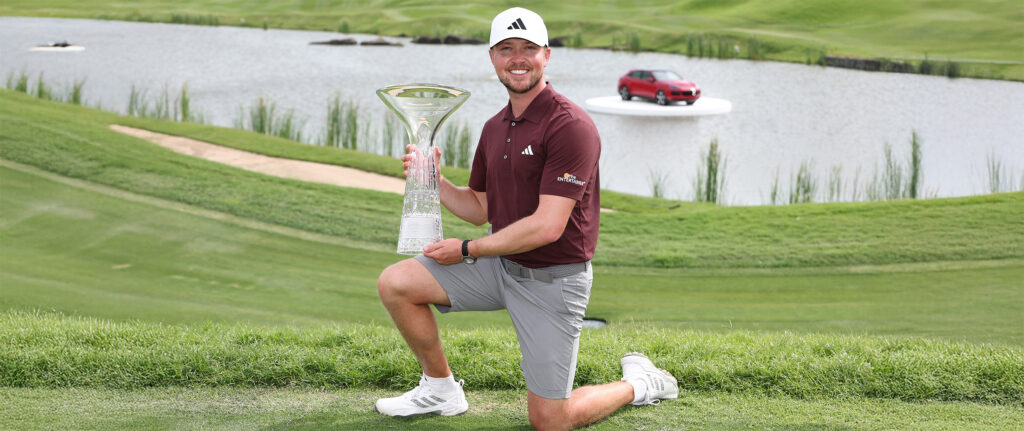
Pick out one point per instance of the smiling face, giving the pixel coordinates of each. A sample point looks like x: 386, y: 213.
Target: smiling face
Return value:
x: 519, y: 64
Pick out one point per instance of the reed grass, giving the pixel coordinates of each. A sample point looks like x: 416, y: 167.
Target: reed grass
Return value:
x: 263, y: 117
x: 916, y: 174
x: 393, y: 136
x: 181, y: 18
x: 75, y: 95
x: 455, y: 145
x: 333, y: 128
x: 657, y: 181
x: 184, y: 104
x: 709, y: 182
x: 718, y: 46
x: 896, y: 181
x: 164, y: 107
x: 42, y: 90
x: 1000, y: 179
x: 835, y: 184
x: 136, y: 102
x: 804, y: 186
x: 774, y: 196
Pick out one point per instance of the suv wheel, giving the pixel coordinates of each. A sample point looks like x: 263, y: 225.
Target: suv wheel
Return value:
x: 660, y: 98
x: 624, y: 92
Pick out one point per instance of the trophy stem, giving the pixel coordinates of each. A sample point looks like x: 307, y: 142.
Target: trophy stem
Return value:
x: 421, y: 209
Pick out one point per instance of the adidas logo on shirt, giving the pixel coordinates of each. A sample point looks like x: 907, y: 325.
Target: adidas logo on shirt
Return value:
x: 529, y: 150
x: 517, y: 24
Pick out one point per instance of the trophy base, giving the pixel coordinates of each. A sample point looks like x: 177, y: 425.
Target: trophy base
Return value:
x: 417, y: 231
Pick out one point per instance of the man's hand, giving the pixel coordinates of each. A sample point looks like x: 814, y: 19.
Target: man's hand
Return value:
x: 411, y: 153
x: 445, y: 252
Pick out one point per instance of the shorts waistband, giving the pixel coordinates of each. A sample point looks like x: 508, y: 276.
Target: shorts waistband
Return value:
x: 546, y: 274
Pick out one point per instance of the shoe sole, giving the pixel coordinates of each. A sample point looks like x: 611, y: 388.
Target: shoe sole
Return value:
x: 434, y: 412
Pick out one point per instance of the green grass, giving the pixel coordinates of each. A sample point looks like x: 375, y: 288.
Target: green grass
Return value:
x: 48, y: 350
x: 298, y: 409
x: 987, y: 34
x: 127, y: 256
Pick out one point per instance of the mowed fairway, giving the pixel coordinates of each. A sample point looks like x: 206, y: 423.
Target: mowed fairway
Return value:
x: 140, y: 288
x: 84, y: 249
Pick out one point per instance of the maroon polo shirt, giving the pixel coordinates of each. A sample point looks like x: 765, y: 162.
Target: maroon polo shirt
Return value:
x: 552, y: 149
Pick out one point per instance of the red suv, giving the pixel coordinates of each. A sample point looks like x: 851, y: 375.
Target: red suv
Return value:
x: 663, y: 86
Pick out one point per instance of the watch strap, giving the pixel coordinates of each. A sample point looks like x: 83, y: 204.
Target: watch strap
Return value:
x: 465, y: 248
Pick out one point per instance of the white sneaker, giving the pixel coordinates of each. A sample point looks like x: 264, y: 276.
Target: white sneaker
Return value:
x: 422, y: 400
x: 660, y: 384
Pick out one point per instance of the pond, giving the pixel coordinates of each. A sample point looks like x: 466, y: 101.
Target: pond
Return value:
x: 783, y: 115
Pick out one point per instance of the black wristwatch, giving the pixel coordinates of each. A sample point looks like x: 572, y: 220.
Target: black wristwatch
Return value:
x: 466, y: 258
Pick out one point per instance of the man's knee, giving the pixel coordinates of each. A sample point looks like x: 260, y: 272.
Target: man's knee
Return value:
x: 393, y: 282
x: 409, y: 281
x: 548, y: 414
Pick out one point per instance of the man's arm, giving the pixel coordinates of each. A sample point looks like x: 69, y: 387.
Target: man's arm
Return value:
x: 466, y: 203
x: 543, y: 227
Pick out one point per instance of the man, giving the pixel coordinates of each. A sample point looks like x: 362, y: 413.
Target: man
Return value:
x: 535, y: 179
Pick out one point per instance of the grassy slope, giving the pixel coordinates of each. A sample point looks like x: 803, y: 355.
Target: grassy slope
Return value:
x: 178, y: 267
x: 789, y: 29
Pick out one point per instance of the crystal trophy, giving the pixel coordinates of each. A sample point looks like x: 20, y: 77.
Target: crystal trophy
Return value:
x: 422, y: 108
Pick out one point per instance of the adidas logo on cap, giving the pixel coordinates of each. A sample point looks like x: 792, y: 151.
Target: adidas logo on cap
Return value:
x: 519, y: 23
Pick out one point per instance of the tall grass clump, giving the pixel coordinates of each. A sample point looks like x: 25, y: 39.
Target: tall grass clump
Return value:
x: 182, y: 18
x: 455, y: 144
x: 774, y: 197
x: 1000, y: 177
x: 803, y: 186
x: 896, y: 181
x: 165, y: 107
x: 835, y: 184
x: 263, y: 117
x: 17, y: 82
x: 136, y: 102
x: 633, y: 42
x: 709, y: 183
x: 342, y: 127
x: 393, y: 135
x: 42, y: 91
x: 915, y: 176
x: 715, y: 46
x: 656, y: 180
x: 75, y: 94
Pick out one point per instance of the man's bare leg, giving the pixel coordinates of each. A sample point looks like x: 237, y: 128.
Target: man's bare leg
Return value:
x: 407, y: 290
x: 584, y: 406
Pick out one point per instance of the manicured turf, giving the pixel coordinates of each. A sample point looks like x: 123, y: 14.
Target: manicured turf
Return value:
x: 294, y: 409
x: 790, y: 30
x: 79, y: 248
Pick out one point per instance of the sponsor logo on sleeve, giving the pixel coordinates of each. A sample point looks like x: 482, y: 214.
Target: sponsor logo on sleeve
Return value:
x: 570, y: 178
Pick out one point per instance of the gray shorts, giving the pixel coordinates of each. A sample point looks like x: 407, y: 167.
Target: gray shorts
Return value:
x: 548, y: 317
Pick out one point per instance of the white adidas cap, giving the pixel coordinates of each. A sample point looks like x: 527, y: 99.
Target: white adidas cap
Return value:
x: 520, y: 23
